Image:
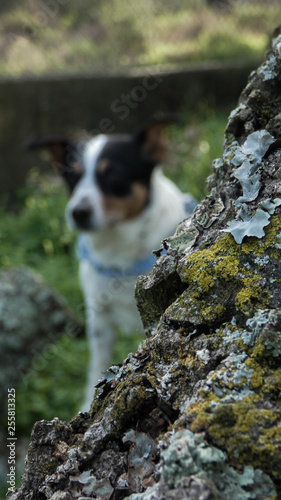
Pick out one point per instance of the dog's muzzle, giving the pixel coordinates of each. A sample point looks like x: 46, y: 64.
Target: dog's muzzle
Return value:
x: 82, y: 215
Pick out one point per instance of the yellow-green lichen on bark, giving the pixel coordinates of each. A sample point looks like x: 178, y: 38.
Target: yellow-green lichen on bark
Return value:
x: 248, y: 432
x: 223, y: 277
x: 239, y: 407
x: 213, y: 280
x: 251, y: 294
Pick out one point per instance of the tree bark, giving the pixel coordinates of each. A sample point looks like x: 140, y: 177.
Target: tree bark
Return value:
x: 195, y: 413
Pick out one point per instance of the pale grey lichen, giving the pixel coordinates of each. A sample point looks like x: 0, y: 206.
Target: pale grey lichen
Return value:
x: 204, y: 355
x: 217, y: 164
x: 250, y: 183
x: 276, y: 41
x: 236, y: 110
x: 263, y: 324
x: 257, y: 322
x: 248, y: 225
x: 256, y: 145
x: 270, y: 205
x: 90, y: 485
x: 189, y: 455
x: 268, y: 70
x: 262, y: 261
x: 207, y: 217
x: 142, y: 446
x: 233, y: 373
x: 249, y: 160
x: 230, y: 336
x: 184, y: 241
x: 278, y: 238
x: 232, y: 381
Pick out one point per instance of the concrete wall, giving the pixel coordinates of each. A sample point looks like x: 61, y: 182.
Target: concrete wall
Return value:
x: 56, y: 104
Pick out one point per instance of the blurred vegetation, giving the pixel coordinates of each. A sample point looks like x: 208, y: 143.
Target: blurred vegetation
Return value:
x: 37, y: 236
x: 86, y: 36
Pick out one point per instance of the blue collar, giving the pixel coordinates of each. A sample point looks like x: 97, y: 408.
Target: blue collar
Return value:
x: 85, y: 252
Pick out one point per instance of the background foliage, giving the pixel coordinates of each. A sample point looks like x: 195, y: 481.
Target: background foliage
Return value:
x: 38, y: 36
x: 37, y: 236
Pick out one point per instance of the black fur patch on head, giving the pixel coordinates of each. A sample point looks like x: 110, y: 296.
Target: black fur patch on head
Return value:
x: 121, y: 163
x: 124, y: 160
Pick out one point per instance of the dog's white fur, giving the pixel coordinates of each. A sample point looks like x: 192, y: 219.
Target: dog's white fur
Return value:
x: 110, y: 301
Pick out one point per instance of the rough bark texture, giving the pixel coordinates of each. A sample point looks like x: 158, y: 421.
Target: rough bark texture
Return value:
x: 196, y: 412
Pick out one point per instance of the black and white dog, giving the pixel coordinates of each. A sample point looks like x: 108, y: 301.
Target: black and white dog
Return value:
x: 122, y: 206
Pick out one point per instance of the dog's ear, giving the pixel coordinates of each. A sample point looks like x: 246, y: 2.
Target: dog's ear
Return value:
x: 57, y: 147
x: 62, y: 155
x: 153, y: 137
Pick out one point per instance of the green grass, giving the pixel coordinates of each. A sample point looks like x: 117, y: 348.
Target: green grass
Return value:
x: 193, y: 146
x: 37, y: 236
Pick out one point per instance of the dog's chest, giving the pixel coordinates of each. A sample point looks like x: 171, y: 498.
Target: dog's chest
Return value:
x: 109, y: 300
x: 115, y: 256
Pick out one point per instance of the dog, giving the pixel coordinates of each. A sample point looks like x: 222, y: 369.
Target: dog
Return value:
x: 122, y: 207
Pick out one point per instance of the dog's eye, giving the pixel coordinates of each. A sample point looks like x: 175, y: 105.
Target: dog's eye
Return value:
x: 113, y: 181
x: 71, y: 175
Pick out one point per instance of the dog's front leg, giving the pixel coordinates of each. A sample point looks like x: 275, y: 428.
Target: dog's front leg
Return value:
x: 100, y: 342
x: 99, y: 327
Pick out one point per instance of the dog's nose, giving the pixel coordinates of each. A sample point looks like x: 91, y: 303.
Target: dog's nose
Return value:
x: 82, y: 213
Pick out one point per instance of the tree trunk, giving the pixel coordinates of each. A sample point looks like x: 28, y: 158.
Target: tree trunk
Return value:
x: 196, y: 412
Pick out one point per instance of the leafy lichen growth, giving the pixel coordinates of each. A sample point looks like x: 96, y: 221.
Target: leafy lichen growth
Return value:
x: 267, y: 242
x: 189, y: 455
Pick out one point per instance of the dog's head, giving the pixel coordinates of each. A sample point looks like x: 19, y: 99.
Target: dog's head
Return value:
x: 108, y: 176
